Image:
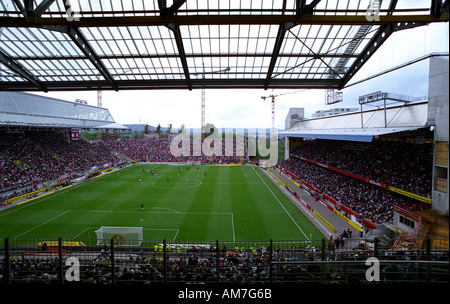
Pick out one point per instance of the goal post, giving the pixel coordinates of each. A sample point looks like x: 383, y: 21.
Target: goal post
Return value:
x: 130, y: 236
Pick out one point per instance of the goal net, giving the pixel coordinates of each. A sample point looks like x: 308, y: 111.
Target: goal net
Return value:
x: 130, y: 236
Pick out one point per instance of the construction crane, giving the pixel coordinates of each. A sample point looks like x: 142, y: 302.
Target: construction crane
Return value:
x: 204, y: 93
x: 99, y: 99
x: 273, y: 108
x: 99, y: 92
x: 273, y: 104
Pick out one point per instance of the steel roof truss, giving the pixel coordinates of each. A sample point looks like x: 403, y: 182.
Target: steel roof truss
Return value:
x: 75, y: 34
x: 20, y: 70
x: 384, y: 32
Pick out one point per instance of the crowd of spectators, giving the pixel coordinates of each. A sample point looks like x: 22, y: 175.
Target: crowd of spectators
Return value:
x: 35, y: 157
x: 286, y: 265
x: 403, y: 165
x: 159, y: 150
x: 367, y: 200
x: 390, y: 164
x: 31, y: 158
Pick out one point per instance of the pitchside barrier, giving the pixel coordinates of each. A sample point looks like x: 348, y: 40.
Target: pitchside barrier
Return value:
x: 58, y: 261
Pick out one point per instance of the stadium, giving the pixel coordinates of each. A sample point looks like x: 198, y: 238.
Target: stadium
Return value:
x: 353, y: 195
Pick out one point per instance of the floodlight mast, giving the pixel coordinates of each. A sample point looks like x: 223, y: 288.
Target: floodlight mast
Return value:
x: 99, y: 98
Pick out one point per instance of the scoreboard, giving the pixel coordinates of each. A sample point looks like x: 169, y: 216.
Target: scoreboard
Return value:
x: 75, y: 134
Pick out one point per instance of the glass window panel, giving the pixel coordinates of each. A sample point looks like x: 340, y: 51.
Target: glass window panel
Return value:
x: 114, y: 33
x: 289, y: 45
x: 149, y: 46
x: 50, y: 48
x: 303, y: 31
x: 105, y: 34
x: 144, y: 32
x: 91, y: 33
x: 93, y: 5
x: 13, y: 34
x: 127, y: 5
x: 212, y: 45
x: 339, y: 31
x: 37, y: 42
x: 122, y: 47
x: 32, y: 48
x: 133, y: 32
x: 323, y: 31
x: 239, y: 46
x: 140, y: 47
x: 158, y: 46
x: 8, y: 5
x: 99, y: 47
x: 405, y: 4
x: 232, y: 46
x: 10, y: 50
x: 116, y: 5
x: 215, y: 31
x: 29, y: 65
x: 35, y: 33
x: 193, y: 46
x: 111, y: 65
x: 124, y: 33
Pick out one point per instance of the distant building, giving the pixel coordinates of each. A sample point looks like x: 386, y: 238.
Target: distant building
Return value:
x: 294, y: 115
x: 332, y: 112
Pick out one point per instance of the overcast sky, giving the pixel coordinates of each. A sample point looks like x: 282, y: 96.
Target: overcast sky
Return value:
x: 246, y: 109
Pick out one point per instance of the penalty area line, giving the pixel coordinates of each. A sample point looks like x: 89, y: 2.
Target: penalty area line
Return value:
x: 53, y: 218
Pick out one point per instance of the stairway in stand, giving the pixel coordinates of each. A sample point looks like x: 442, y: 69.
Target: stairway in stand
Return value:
x: 435, y: 227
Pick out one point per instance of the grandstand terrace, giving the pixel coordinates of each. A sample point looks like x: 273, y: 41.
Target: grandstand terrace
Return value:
x: 351, y: 175
x: 378, y: 165
x: 36, y: 145
x: 158, y: 150
x: 371, y: 185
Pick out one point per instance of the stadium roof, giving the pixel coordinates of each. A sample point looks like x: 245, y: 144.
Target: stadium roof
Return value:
x: 357, y: 134
x: 22, y: 109
x: 363, y: 126
x: 187, y: 44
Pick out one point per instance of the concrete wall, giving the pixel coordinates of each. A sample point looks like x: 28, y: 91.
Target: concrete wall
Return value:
x: 438, y: 116
x: 289, y: 121
x: 397, y: 223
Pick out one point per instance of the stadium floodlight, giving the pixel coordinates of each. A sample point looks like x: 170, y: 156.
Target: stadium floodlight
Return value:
x: 383, y: 96
x: 130, y: 236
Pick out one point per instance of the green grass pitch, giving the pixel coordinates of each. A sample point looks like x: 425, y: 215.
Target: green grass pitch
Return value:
x: 229, y: 203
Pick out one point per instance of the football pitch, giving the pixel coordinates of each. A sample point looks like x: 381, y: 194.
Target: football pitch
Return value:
x: 180, y: 203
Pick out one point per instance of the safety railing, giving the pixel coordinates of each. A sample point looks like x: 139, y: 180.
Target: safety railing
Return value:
x: 58, y: 261
x: 407, y: 238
